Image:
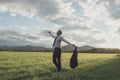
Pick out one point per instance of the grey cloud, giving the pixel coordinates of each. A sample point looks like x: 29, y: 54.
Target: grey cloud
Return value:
x: 65, y: 21
x: 114, y: 8
x: 73, y: 23
x: 44, y: 8
x: 96, y: 42
x: 15, y: 35
x: 87, y: 39
x: 13, y: 38
x: 15, y: 42
x: 44, y: 33
x: 73, y: 28
x: 81, y: 28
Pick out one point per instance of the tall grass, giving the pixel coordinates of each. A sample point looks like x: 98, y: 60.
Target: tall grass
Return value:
x: 39, y: 66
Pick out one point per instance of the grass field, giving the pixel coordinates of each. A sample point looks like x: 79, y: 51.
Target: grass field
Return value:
x: 39, y: 66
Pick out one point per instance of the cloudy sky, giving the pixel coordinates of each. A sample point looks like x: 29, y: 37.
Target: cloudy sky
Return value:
x: 83, y: 22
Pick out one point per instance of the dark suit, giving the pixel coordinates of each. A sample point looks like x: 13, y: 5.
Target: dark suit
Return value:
x: 73, y: 60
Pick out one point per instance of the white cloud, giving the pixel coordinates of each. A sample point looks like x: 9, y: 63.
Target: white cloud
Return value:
x: 59, y: 13
x: 42, y: 8
x: 114, y: 8
x: 24, y: 27
x: 81, y: 24
x: 40, y: 38
x: 13, y: 14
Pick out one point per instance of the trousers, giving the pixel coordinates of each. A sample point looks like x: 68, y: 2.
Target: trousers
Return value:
x: 57, y: 58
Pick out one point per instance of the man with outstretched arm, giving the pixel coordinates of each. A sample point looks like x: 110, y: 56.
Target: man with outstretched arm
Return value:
x: 57, y: 48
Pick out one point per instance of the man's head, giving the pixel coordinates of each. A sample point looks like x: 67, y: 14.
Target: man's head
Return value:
x: 59, y: 32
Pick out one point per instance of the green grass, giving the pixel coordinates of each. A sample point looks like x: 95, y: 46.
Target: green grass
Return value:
x: 39, y: 66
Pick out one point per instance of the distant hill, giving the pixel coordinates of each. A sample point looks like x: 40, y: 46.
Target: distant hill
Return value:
x: 24, y: 48
x: 82, y: 48
x: 68, y: 48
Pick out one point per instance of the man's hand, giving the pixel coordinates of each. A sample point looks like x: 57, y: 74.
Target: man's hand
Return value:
x: 49, y: 32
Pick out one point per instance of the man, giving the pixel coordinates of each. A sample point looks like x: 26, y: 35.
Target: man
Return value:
x: 57, y: 49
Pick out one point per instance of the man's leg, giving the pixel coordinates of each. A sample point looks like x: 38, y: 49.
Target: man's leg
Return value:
x: 55, y: 58
x: 59, y: 59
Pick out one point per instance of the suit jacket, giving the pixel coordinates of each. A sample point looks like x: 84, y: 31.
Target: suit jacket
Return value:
x: 73, y: 60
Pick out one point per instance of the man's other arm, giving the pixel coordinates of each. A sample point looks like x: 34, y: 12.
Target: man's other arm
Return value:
x: 51, y: 34
x: 66, y: 41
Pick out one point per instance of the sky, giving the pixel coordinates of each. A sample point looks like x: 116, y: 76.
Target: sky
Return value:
x: 83, y: 22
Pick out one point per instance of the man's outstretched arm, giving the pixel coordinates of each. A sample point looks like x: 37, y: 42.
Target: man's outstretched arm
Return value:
x: 51, y: 34
x: 68, y: 42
